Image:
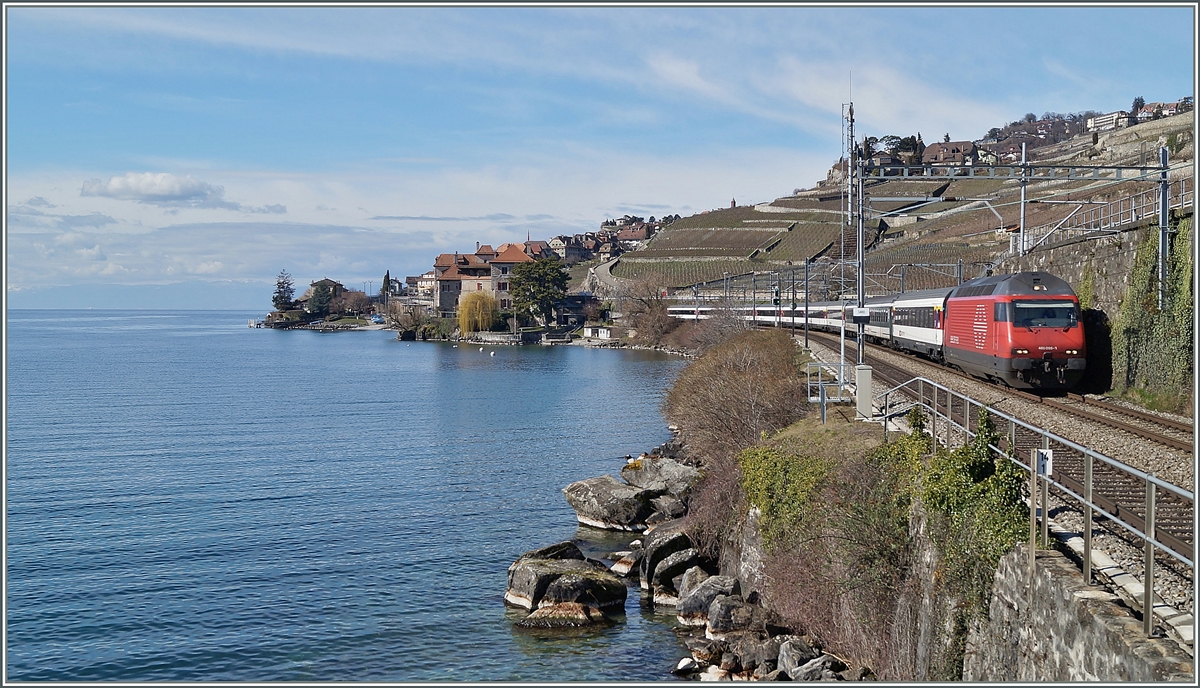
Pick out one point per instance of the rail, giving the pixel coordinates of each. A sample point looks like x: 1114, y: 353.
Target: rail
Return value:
x: 917, y: 387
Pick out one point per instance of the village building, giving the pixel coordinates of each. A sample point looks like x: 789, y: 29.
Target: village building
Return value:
x: 1113, y: 120
x: 950, y: 153
x: 501, y: 270
x: 458, y: 273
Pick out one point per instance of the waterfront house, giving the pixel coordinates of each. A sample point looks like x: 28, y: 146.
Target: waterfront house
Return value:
x: 501, y: 270
x: 335, y: 288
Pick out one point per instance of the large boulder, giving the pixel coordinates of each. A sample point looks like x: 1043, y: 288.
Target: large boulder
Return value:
x: 608, y: 503
x: 592, y: 588
x: 694, y: 603
x: 795, y: 653
x: 756, y: 653
x: 659, y: 545
x: 672, y: 566
x: 565, y: 615
x: 669, y: 507
x: 728, y: 614
x: 561, y: 550
x: 661, y: 475
x: 529, y: 580
x: 690, y: 579
x: 705, y: 651
x: 823, y: 668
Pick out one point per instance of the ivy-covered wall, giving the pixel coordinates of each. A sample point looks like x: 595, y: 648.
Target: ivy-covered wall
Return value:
x: 1152, y: 347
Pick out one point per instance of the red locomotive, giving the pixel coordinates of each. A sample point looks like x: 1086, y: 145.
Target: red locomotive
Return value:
x: 1022, y: 329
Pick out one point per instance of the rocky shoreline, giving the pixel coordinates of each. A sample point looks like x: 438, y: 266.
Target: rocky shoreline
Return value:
x: 729, y: 636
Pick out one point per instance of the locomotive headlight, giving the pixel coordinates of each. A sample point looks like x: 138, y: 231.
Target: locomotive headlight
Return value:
x: 1072, y: 352
x: 1020, y: 351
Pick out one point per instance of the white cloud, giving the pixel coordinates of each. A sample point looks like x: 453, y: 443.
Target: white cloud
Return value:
x: 93, y: 253
x: 163, y: 189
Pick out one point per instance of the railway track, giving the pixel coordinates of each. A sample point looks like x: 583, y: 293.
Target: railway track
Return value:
x: 1117, y: 492
x: 1164, y: 431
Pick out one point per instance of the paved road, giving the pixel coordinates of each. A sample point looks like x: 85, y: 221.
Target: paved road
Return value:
x: 605, y: 279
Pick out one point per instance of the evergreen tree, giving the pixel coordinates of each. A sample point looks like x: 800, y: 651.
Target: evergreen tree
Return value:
x: 387, y: 285
x: 1138, y: 104
x: 537, y: 286
x: 318, y: 303
x: 284, y: 291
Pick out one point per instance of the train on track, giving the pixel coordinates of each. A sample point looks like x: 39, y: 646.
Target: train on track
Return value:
x: 1021, y: 329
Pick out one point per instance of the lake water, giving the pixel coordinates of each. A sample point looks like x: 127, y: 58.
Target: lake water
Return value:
x: 188, y: 498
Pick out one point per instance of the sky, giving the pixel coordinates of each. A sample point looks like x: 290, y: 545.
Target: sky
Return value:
x: 181, y: 157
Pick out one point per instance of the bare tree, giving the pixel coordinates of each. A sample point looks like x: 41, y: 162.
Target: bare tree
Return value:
x: 350, y: 301
x: 645, y: 304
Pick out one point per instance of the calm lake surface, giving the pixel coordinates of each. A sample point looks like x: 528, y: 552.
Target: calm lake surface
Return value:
x: 192, y: 499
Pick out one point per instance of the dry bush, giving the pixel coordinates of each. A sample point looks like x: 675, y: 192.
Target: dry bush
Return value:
x: 645, y: 303
x: 724, y: 402
x: 738, y: 390
x: 701, y: 336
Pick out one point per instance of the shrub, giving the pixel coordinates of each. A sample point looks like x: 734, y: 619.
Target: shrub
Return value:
x: 738, y: 390
x: 977, y: 516
x: 839, y: 560
x: 725, y: 401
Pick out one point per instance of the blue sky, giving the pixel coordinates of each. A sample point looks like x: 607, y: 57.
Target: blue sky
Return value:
x: 180, y: 157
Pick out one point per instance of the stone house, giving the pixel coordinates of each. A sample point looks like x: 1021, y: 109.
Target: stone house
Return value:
x: 501, y: 269
x: 951, y: 153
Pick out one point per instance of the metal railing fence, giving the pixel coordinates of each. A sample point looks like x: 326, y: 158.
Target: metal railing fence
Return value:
x: 939, y: 402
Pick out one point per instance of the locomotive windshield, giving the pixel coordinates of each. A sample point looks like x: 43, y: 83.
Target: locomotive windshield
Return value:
x: 1045, y: 314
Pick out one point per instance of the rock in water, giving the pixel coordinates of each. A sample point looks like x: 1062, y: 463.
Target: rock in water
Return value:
x: 565, y: 615
x: 661, y: 476
x: 628, y: 564
x: 608, y: 503
x: 593, y: 588
x: 690, y: 579
x: 531, y: 579
x: 705, y: 651
x: 669, y: 569
x: 561, y: 550
x: 694, y: 604
x: 659, y: 545
x: 687, y: 665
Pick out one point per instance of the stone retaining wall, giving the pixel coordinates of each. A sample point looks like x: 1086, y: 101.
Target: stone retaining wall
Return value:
x: 1061, y: 629
x: 1108, y: 260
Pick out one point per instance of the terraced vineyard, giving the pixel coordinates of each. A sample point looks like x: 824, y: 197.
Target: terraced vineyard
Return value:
x: 887, y: 261
x: 741, y: 241
x: 705, y: 246
x: 744, y: 217
x: 682, y: 273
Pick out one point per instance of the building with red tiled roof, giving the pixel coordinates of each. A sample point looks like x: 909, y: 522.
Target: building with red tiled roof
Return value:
x: 538, y: 249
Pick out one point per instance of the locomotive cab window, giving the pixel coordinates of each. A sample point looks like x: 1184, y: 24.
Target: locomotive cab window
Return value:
x: 1045, y: 314
x: 1001, y: 312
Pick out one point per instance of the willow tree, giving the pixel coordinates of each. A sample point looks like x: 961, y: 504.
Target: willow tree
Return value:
x: 476, y: 312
